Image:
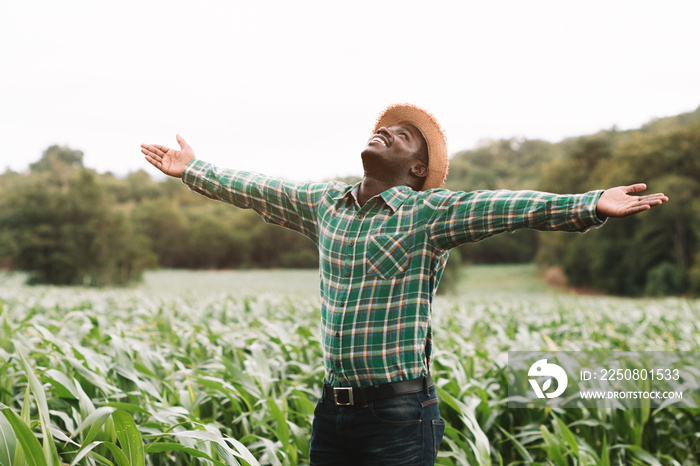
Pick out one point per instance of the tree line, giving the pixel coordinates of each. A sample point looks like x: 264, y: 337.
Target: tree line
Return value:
x: 655, y: 253
x: 64, y: 223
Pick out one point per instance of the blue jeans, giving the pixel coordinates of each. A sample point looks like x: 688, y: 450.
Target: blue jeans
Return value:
x: 403, y: 430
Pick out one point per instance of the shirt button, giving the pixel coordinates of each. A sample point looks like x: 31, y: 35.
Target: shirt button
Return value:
x: 337, y: 364
x: 351, y: 243
x: 361, y: 216
x: 337, y: 334
x: 347, y: 274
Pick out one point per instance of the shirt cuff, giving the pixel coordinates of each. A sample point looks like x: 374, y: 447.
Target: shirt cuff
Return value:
x: 592, y: 198
x: 194, y: 171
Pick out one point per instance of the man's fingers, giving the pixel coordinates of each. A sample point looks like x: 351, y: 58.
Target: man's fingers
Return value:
x: 160, y: 150
x: 642, y: 203
x: 657, y: 198
x: 154, y: 149
x: 635, y: 188
x: 640, y: 208
x: 653, y: 199
x: 156, y: 162
x: 152, y: 154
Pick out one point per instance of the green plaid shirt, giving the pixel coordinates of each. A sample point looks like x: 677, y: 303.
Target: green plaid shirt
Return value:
x: 381, y: 263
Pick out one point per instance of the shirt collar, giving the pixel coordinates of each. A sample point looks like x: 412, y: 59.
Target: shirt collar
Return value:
x: 393, y: 197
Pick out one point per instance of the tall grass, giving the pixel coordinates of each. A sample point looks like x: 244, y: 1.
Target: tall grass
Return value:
x: 225, y: 368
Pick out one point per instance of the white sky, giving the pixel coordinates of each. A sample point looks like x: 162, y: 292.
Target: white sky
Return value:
x: 292, y: 88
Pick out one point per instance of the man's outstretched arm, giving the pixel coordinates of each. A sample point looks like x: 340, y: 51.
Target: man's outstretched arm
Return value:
x: 291, y: 205
x: 619, y: 202
x: 460, y: 217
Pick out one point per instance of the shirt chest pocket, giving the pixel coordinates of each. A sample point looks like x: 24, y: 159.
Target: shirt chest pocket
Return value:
x: 387, y: 256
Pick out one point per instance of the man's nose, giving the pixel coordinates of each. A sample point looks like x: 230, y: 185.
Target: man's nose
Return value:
x: 384, y: 131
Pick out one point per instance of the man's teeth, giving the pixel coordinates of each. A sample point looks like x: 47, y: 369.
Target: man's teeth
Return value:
x: 379, y: 140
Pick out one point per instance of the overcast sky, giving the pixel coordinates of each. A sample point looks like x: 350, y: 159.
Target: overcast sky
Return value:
x: 292, y: 88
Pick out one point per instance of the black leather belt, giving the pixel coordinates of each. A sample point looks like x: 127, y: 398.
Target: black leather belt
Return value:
x: 349, y: 396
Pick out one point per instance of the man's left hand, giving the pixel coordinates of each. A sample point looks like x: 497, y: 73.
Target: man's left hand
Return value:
x: 618, y: 202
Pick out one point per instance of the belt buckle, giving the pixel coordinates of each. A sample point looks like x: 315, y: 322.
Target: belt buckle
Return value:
x: 335, y: 396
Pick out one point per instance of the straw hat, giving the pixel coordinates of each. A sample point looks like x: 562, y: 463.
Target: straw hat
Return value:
x: 432, y: 132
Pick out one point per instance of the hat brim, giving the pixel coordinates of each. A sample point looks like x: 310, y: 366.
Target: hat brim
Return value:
x: 438, y: 163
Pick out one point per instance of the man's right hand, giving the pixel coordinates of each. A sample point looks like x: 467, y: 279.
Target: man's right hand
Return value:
x: 170, y: 161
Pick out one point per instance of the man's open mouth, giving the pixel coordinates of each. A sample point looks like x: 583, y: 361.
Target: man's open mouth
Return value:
x: 380, y: 139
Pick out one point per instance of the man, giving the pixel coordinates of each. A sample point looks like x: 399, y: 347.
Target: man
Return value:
x: 383, y: 245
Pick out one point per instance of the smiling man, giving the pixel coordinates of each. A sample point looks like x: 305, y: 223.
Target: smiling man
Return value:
x: 383, y: 244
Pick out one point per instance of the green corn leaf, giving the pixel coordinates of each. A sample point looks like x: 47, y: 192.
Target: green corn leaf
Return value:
x: 65, y: 387
x: 94, y: 421
x: 220, y: 444
x: 127, y: 407
x: 643, y: 455
x: 226, y: 454
x: 99, y: 459
x: 84, y: 402
x: 36, y: 387
x: 49, y: 447
x: 480, y: 446
x: 169, y: 446
x: 519, y: 446
x: 84, y: 451
x: 129, y: 437
x: 6, y: 328
x: 553, y: 447
x: 604, y: 452
x: 8, y: 440
x: 282, y: 427
x: 26, y: 406
x: 119, y: 455
x: 242, y: 451
x: 568, y: 436
x: 31, y: 448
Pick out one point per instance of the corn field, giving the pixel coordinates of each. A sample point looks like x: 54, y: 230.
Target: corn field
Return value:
x: 225, y: 369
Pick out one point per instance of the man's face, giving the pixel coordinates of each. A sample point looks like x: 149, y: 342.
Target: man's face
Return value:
x: 400, y: 145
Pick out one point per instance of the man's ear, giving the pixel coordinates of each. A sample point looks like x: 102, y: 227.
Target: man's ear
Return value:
x: 419, y: 169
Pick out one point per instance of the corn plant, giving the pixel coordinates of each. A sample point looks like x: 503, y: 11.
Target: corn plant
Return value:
x: 225, y: 369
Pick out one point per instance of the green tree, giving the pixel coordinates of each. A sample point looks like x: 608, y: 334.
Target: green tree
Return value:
x: 215, y: 241
x: 58, y: 158
x: 655, y: 252
x: 63, y: 230
x: 166, y: 228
